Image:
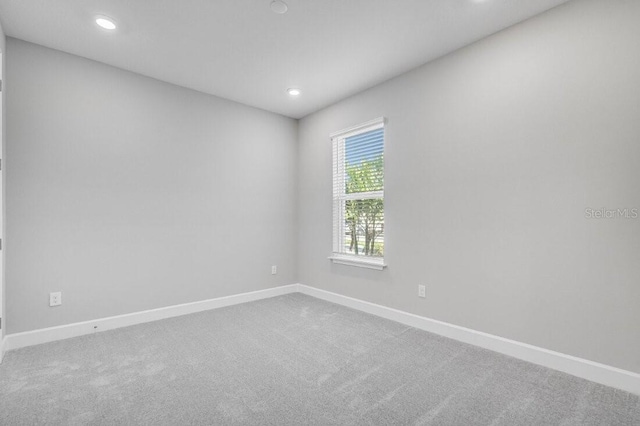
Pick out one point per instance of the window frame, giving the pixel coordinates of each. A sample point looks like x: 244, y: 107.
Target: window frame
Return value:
x: 339, y: 197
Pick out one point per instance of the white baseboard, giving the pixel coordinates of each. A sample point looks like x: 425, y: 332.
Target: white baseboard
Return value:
x: 589, y: 370
x: 45, y: 335
x: 2, y: 345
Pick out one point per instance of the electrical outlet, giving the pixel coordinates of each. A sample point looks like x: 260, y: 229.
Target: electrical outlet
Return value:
x: 274, y: 270
x: 422, y: 291
x: 55, y: 299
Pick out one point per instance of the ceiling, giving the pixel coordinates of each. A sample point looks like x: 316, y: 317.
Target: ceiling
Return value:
x: 243, y: 51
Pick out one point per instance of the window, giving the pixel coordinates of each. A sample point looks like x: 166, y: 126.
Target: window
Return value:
x: 358, y: 195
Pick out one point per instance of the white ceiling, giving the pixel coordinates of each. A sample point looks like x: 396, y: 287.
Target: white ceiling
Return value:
x: 241, y: 50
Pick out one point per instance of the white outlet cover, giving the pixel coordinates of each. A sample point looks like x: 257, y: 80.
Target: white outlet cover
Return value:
x: 422, y: 291
x: 55, y: 299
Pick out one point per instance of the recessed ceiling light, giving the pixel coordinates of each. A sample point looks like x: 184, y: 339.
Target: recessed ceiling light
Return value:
x: 106, y: 23
x: 279, y: 6
x: 293, y: 91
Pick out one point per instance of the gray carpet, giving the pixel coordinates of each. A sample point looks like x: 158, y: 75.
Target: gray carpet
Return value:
x: 291, y: 360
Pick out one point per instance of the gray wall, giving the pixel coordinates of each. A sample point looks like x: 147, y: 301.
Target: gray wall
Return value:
x: 492, y: 155
x: 2, y: 190
x: 128, y: 194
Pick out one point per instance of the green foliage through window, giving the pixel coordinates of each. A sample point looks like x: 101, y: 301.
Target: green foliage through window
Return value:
x: 365, y: 217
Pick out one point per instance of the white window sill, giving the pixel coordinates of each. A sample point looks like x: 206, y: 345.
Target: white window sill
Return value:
x: 360, y: 262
